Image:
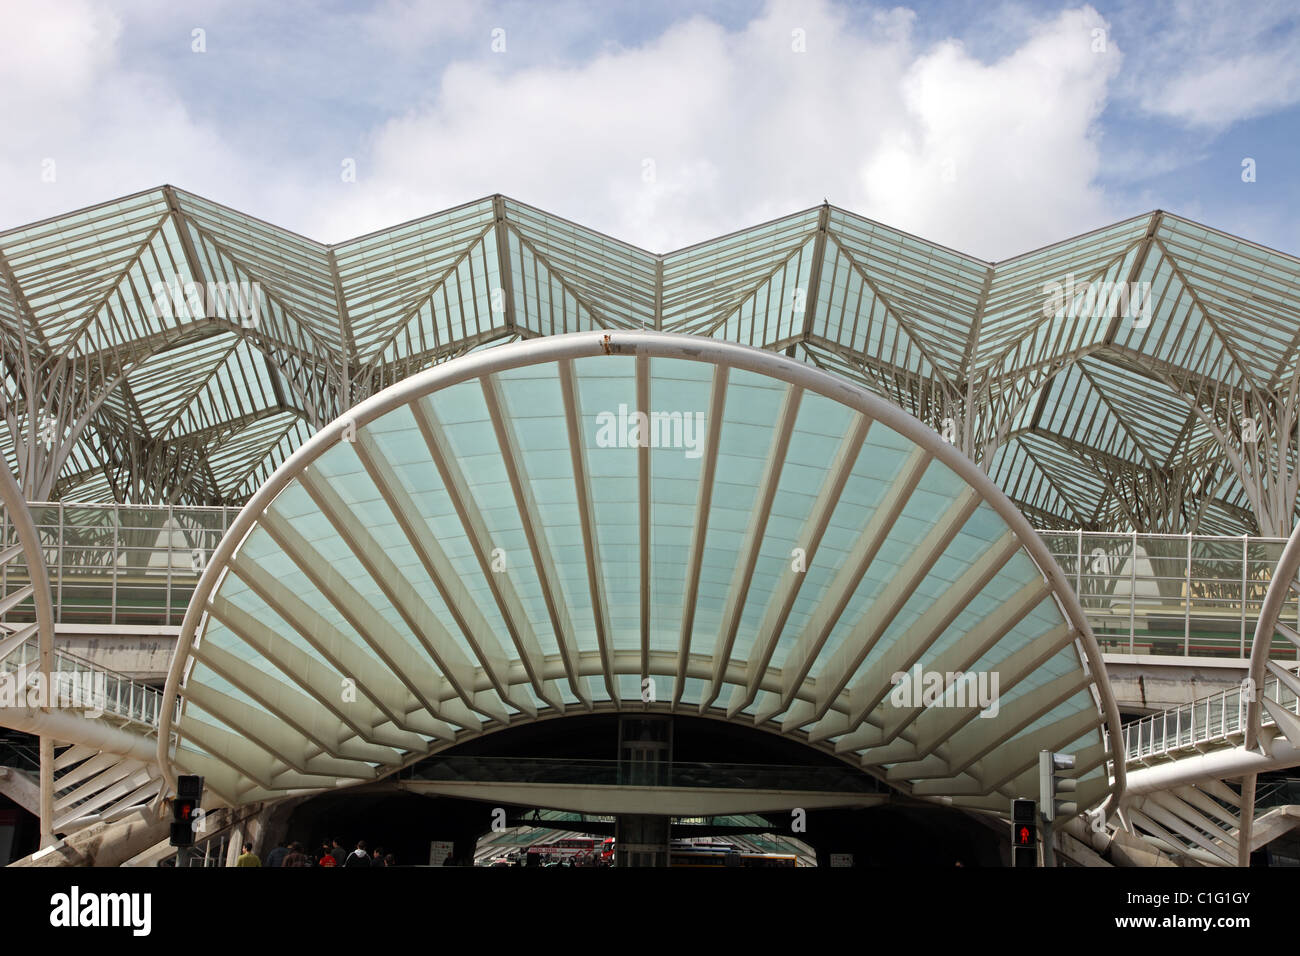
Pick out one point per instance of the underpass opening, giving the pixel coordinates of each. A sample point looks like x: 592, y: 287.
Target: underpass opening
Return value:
x: 19, y: 795
x: 453, y: 801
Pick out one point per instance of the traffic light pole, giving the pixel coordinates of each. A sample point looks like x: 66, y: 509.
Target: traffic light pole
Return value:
x: 1051, y: 784
x: 1049, y: 851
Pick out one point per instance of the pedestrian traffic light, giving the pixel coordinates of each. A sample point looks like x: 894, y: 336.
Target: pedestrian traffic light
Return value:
x: 1051, y: 782
x: 189, y: 791
x: 1024, y: 833
x: 183, y: 821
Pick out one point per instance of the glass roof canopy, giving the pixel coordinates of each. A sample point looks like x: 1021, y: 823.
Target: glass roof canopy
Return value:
x: 1089, y: 415
x: 501, y: 539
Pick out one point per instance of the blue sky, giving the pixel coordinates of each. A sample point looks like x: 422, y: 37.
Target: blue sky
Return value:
x: 992, y: 127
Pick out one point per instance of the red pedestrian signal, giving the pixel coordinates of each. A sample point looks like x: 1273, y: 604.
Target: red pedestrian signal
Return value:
x: 1024, y: 833
x: 189, y: 792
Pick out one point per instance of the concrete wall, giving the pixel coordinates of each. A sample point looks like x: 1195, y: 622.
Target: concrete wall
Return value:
x: 141, y: 653
x: 1145, y: 684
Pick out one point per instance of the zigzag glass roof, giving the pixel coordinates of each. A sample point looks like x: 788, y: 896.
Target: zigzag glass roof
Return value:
x: 1097, y: 380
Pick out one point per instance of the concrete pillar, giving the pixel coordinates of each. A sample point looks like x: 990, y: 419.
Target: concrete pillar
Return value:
x: 275, y: 825
x: 262, y: 826
x: 641, y: 839
x: 47, y: 790
x: 236, y: 844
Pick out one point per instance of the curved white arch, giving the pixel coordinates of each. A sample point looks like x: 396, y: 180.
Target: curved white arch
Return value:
x: 15, y: 508
x: 1184, y: 805
x: 478, y: 688
x: 100, y: 767
x: 1270, y: 614
x: 1269, y: 624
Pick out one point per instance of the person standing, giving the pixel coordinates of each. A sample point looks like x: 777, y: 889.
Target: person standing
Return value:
x: 248, y: 857
x: 338, y: 853
x: 295, y: 857
x: 326, y: 857
x: 276, y: 856
x: 359, y: 856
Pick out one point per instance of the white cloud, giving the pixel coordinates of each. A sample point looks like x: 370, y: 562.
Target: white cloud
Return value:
x: 50, y: 54
x: 76, y: 108
x: 740, y: 128
x: 1222, y: 92
x: 1210, y: 65
x: 998, y: 158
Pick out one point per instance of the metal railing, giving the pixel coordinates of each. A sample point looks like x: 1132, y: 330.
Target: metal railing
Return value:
x: 87, y: 687
x: 1185, y: 595
x: 207, y: 853
x: 727, y: 776
x: 1277, y: 793
x: 19, y: 751
x: 1219, y: 717
x: 119, y: 564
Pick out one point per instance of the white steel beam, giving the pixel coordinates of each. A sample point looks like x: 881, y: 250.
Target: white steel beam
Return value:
x: 898, y: 590
x: 587, y: 515
x: 910, y: 646
x: 409, y: 682
x: 797, y: 664
x: 971, y: 648
x: 810, y: 538
x: 476, y: 530
x: 939, y: 724
x: 321, y: 682
x: 752, y: 543
x: 403, y: 597
x: 700, y: 531
x: 296, y: 710
x: 535, y: 531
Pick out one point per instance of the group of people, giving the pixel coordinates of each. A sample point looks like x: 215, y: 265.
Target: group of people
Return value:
x: 329, y: 855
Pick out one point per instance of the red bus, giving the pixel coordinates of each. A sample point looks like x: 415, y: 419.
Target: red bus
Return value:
x: 579, y: 849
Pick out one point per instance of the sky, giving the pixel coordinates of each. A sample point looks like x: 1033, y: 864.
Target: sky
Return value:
x: 991, y: 127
